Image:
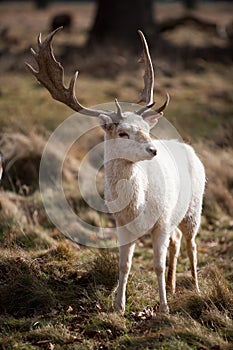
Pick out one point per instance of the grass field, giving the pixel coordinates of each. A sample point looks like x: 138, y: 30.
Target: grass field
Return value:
x: 55, y: 294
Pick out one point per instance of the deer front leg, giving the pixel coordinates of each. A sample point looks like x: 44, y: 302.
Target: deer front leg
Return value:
x: 125, y: 262
x: 160, y: 243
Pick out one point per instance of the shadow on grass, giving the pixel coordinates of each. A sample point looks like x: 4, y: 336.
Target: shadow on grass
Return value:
x: 53, y: 296
x: 52, y: 280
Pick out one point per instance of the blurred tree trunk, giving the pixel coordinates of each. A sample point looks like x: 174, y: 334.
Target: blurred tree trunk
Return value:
x: 190, y: 4
x: 41, y: 4
x: 119, y: 20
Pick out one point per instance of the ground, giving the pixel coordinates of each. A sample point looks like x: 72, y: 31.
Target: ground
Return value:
x: 55, y: 294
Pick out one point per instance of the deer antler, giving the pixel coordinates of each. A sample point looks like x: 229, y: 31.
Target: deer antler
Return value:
x: 51, y: 74
x: 148, y: 90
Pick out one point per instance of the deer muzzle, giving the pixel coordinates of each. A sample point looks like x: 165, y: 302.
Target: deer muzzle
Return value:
x: 151, y: 150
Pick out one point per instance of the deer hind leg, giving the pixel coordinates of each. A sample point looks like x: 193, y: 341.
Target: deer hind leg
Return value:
x: 160, y: 243
x: 125, y: 262
x: 174, y: 249
x: 190, y: 228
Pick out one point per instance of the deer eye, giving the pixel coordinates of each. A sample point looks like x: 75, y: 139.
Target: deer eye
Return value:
x: 123, y: 134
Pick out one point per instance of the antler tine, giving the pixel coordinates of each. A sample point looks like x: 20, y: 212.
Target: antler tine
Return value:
x: 50, y: 73
x: 159, y: 110
x: 147, y: 92
x: 119, y: 114
x: 39, y: 39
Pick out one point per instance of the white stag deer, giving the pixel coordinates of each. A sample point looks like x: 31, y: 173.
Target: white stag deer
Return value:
x: 147, y: 172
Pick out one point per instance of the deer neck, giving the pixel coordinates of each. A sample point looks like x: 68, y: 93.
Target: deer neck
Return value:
x: 115, y: 168
x: 118, y: 169
x: 125, y: 189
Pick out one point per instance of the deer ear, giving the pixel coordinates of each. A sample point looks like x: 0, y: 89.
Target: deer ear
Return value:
x: 152, y: 119
x: 105, y: 122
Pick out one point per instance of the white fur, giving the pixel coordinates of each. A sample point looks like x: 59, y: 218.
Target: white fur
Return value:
x: 155, y: 194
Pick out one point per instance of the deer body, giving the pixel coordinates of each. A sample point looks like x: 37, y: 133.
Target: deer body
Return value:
x: 151, y: 186
x: 152, y: 200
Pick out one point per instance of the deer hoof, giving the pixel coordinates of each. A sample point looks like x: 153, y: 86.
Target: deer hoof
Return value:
x: 164, y: 309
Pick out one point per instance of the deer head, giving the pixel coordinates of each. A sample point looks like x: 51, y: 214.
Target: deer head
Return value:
x: 116, y: 124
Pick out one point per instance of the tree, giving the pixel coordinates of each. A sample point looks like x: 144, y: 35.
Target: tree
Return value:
x: 41, y: 4
x: 119, y: 20
x: 190, y: 4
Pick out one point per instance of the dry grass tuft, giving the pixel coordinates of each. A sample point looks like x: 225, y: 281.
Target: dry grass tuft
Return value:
x: 106, y: 326
x: 217, y: 290
x: 60, y: 265
x: 23, y: 290
x: 224, y: 138
x: 104, y: 268
x: 218, y: 197
x: 22, y: 154
x: 49, y: 334
x: 213, y: 308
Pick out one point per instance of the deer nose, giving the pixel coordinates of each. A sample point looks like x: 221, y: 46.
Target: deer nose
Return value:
x: 151, y: 150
